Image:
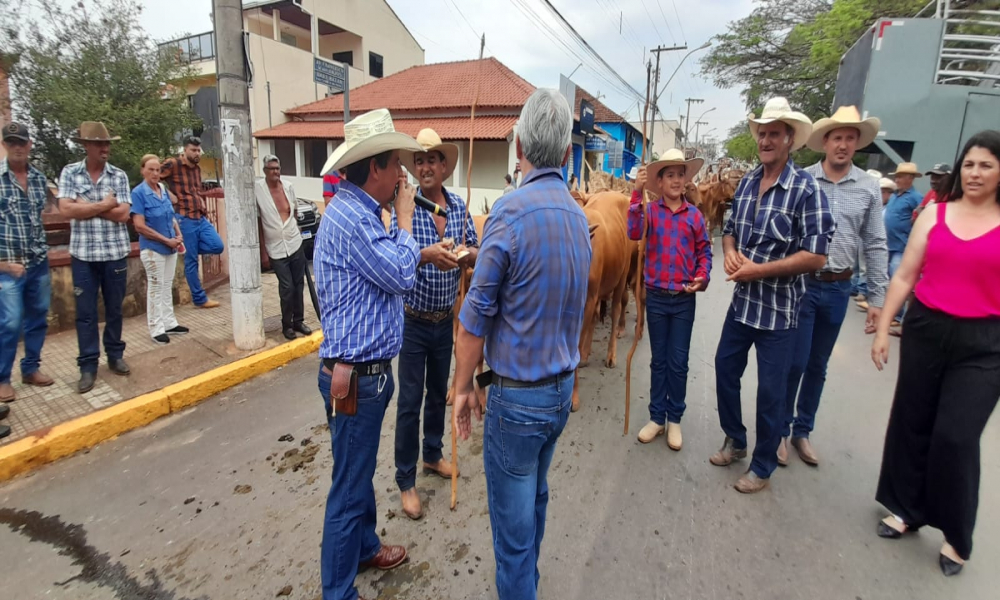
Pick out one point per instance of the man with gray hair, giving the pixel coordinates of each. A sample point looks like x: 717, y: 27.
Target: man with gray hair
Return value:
x: 283, y: 241
x: 525, y: 306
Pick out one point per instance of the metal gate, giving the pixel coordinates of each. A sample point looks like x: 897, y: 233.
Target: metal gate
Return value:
x: 212, y: 273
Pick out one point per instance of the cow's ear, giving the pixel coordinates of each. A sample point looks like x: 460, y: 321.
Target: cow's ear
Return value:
x: 593, y: 228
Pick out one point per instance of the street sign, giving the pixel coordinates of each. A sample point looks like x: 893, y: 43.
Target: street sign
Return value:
x: 595, y: 144
x: 329, y: 74
x: 615, y: 151
x: 586, y: 117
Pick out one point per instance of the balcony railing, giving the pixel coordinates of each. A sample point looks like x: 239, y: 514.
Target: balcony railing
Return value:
x: 191, y: 49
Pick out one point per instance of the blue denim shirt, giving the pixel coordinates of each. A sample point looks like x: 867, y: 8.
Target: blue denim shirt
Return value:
x: 899, y: 218
x: 159, y: 215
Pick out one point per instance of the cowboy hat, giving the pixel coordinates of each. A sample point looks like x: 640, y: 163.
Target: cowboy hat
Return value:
x: 907, y: 168
x: 672, y: 157
x: 874, y: 173
x: 778, y: 109
x: 887, y: 184
x: 845, y: 116
x: 633, y: 173
x: 367, y: 135
x: 94, y: 131
x: 430, y: 141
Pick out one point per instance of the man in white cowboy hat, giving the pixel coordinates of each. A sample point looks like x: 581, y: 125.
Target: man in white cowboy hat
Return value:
x: 362, y: 274
x: 899, y: 218
x: 678, y: 264
x: 427, y: 328
x: 780, y: 228
x: 95, y: 195
x: 856, y: 205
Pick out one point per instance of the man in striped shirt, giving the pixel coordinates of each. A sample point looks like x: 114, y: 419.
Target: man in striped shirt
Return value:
x: 780, y: 228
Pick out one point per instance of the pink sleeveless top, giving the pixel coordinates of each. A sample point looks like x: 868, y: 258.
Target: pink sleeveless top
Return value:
x: 961, y: 277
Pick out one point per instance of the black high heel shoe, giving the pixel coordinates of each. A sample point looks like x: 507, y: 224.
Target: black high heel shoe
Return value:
x: 891, y: 533
x: 948, y: 566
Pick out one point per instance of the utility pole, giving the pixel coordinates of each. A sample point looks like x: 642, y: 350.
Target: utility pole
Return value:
x: 656, y: 83
x: 697, y: 128
x: 237, y: 163
x: 687, y: 120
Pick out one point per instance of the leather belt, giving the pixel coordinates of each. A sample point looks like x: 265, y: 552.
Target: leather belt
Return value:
x: 514, y: 383
x: 430, y: 317
x: 663, y: 292
x: 828, y: 276
x: 366, y: 369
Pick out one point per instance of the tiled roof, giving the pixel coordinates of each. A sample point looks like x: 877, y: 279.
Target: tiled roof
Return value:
x: 449, y: 128
x: 429, y: 87
x: 602, y: 114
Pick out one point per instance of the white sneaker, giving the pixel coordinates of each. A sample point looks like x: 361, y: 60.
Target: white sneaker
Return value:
x: 650, y: 432
x: 674, y: 438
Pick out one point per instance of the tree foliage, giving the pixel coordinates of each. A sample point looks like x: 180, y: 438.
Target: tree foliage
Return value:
x: 93, y: 62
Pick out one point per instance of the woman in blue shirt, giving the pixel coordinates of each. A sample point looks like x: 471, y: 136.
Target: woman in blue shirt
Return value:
x: 159, y: 241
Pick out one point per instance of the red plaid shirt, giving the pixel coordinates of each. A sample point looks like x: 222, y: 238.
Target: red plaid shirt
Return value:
x: 185, y: 183
x: 678, y: 248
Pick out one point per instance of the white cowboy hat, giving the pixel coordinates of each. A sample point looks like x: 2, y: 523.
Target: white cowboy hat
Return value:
x: 672, y: 157
x: 633, y: 173
x: 887, y: 184
x: 906, y: 168
x: 874, y: 173
x: 845, y: 116
x: 367, y: 135
x: 778, y: 109
x: 430, y: 141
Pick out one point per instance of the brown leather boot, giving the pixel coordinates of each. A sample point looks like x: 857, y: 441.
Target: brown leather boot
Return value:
x: 783, y: 452
x: 727, y: 453
x: 7, y: 392
x: 411, y: 504
x: 388, y: 557
x: 806, y: 451
x: 751, y: 483
x: 441, y: 468
x: 37, y: 378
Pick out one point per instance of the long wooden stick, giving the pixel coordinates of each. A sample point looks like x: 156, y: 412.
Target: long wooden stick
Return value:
x: 640, y: 265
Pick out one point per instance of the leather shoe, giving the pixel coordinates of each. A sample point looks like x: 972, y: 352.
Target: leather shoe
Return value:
x: 441, y: 468
x: 208, y: 304
x: 118, y: 366
x: 4, y: 411
x: 650, y: 431
x: 37, y: 378
x: 388, y: 557
x: 806, y: 452
x: 948, y: 566
x: 674, y: 438
x: 783, y: 452
x: 750, y: 483
x: 7, y: 392
x: 290, y: 334
x: 411, y: 504
x: 727, y: 453
x: 86, y: 382
x: 302, y: 328
x: 4, y: 431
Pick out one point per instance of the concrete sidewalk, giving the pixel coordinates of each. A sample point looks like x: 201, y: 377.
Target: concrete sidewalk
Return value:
x: 209, y: 345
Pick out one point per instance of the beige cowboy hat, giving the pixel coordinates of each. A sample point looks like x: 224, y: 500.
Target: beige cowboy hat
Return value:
x: 367, y: 135
x: 887, y: 184
x: 778, y: 109
x: 845, y: 116
x: 94, y: 131
x: 907, y: 168
x: 672, y: 157
x: 430, y: 141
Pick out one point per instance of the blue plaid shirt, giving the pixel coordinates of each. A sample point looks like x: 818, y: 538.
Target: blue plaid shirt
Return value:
x: 22, y: 234
x: 794, y: 215
x: 96, y: 239
x: 529, y: 286
x: 435, y: 289
x: 362, y: 273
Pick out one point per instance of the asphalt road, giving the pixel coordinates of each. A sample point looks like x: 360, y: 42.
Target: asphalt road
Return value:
x: 212, y: 504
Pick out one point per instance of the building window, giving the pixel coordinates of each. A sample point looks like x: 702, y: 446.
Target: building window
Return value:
x: 344, y: 57
x: 316, y: 155
x: 289, y: 39
x: 374, y: 64
x: 285, y: 151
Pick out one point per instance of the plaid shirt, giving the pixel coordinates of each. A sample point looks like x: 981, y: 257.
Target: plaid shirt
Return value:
x: 362, y: 273
x: 529, y: 286
x: 856, y: 203
x: 185, y: 183
x: 678, y: 248
x: 436, y: 289
x: 96, y: 239
x: 22, y: 234
x: 794, y: 215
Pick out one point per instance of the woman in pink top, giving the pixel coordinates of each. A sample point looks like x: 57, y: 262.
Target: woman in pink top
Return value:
x: 949, y: 358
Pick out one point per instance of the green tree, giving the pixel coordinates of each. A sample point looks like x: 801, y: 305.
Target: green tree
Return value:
x: 94, y: 62
x: 742, y: 147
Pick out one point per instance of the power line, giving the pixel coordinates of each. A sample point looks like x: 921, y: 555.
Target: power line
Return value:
x: 665, y: 22
x: 679, y: 24
x: 655, y: 28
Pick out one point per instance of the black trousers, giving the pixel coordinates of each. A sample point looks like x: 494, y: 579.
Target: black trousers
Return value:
x: 291, y: 274
x: 947, y: 387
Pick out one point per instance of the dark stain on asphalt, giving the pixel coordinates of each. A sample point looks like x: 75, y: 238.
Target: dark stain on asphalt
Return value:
x: 95, y: 567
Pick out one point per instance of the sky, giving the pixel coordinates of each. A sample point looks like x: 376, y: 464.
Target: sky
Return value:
x: 525, y: 36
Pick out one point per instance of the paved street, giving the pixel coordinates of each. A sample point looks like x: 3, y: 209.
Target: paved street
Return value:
x: 213, y: 504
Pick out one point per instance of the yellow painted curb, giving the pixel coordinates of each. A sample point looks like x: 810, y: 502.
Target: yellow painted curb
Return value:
x: 62, y: 440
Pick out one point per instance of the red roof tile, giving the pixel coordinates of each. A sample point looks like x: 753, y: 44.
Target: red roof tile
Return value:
x: 449, y: 128
x: 428, y: 87
x: 602, y: 114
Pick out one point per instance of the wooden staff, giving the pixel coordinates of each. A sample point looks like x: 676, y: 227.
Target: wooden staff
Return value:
x: 640, y: 265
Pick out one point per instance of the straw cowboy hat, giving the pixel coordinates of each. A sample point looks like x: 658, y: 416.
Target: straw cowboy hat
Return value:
x: 430, y: 141
x: 887, y: 184
x: 907, y: 168
x: 874, y: 173
x: 672, y: 157
x: 94, y: 131
x: 778, y: 109
x: 845, y: 116
x: 367, y: 135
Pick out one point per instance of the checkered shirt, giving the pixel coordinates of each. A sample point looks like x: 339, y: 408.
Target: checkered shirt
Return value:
x: 22, y: 234
x: 96, y: 239
x: 678, y: 248
x: 435, y: 289
x: 794, y: 215
x: 529, y: 286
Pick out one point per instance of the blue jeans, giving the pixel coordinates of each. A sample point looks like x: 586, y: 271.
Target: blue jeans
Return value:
x: 24, y: 306
x: 349, y: 536
x: 895, y: 258
x: 427, y: 346
x: 200, y: 238
x: 671, y: 319
x: 774, y: 358
x: 519, y: 440
x: 108, y: 277
x: 823, y: 310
